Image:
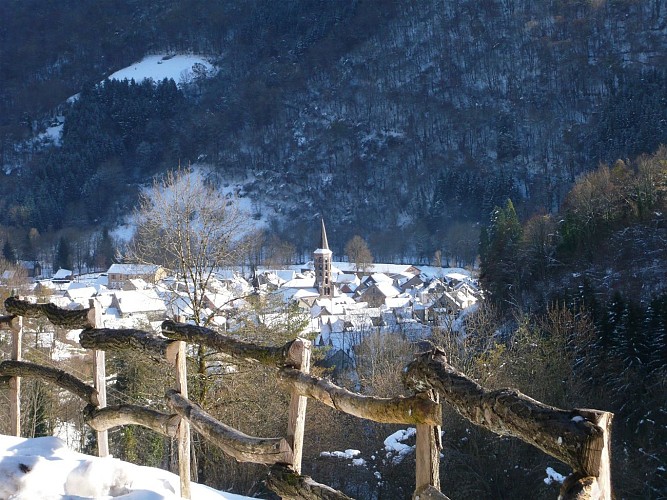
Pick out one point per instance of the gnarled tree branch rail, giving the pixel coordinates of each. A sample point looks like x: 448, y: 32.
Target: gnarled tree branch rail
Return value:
x: 289, y: 485
x: 8, y: 322
x: 58, y: 377
x: 398, y: 410
x: 571, y: 436
x: 102, y: 419
x: 109, y: 339
x: 56, y: 315
x: 579, y: 437
x: 234, y: 443
x: 266, y: 355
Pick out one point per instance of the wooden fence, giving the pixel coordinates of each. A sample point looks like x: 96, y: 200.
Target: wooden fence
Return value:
x: 577, y: 437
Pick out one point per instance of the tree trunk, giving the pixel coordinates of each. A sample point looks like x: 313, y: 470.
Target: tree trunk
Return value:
x: 299, y: 354
x: 291, y: 486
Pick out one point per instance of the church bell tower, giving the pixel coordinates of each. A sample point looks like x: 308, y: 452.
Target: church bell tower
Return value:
x: 322, y: 261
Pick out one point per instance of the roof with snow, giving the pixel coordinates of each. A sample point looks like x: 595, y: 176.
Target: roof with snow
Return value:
x: 387, y: 289
x: 346, y: 278
x: 136, y: 284
x: 300, y: 283
x: 62, y: 274
x: 351, y: 267
x: 381, y: 278
x: 457, y: 276
x: 219, y: 300
x: 135, y: 301
x: 305, y: 292
x: 396, y: 302
x: 284, y: 274
x: 137, y: 269
x: 81, y: 292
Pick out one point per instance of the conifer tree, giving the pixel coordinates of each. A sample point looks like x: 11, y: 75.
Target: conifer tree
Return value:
x: 8, y: 252
x: 498, y: 252
x: 63, y: 258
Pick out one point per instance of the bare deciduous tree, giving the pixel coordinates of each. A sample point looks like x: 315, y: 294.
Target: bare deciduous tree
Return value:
x: 191, y: 228
x: 358, y: 252
x: 380, y: 358
x: 188, y: 226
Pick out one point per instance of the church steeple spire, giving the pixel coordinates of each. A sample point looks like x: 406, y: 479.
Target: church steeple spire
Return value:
x: 324, y: 245
x: 322, y: 262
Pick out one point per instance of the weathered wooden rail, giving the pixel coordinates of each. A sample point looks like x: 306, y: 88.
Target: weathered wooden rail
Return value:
x: 579, y: 438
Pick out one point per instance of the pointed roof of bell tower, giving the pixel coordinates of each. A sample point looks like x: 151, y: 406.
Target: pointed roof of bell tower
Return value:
x: 324, y: 245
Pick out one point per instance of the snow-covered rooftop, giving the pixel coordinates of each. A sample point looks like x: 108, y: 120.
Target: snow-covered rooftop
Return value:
x: 62, y: 274
x: 135, y: 269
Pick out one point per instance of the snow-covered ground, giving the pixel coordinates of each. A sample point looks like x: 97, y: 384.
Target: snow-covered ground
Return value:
x: 180, y: 68
x: 45, y: 469
x: 231, y: 189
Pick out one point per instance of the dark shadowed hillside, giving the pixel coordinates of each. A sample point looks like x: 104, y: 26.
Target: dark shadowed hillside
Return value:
x: 417, y: 117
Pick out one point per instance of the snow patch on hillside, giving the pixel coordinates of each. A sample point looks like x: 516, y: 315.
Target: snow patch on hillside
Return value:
x: 236, y: 191
x: 182, y: 68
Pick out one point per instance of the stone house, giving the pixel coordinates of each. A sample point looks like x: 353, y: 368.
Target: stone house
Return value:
x: 119, y: 274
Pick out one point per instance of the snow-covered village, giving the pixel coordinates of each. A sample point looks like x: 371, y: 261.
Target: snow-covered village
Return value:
x: 336, y: 304
x: 340, y: 303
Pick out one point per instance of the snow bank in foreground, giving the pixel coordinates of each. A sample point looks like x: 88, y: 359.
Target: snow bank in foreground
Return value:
x: 45, y: 468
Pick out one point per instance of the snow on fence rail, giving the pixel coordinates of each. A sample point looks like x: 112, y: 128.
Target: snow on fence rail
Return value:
x: 578, y: 437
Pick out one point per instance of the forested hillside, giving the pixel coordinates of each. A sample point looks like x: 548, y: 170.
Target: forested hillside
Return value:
x: 602, y: 256
x: 389, y: 116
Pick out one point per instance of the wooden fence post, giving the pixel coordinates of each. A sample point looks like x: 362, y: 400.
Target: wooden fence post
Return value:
x: 177, y: 356
x: 427, y: 453
x: 595, y: 479
x: 299, y: 358
x: 99, y: 375
x: 16, y: 327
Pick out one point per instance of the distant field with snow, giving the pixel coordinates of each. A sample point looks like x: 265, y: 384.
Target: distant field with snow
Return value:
x: 158, y: 67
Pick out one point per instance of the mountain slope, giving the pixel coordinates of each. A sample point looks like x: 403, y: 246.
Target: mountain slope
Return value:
x: 386, y: 116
